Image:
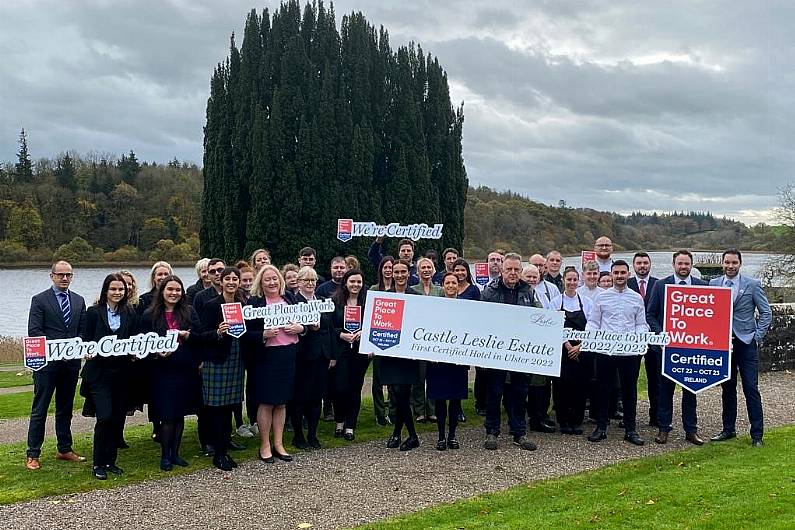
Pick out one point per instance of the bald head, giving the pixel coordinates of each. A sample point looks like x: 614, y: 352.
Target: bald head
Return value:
x: 603, y: 248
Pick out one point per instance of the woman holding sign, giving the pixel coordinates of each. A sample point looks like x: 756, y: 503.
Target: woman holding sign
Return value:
x: 569, y: 390
x: 222, y: 369
x: 316, y: 351
x: 351, y: 366
x: 175, y: 379
x: 401, y: 374
x: 422, y: 406
x: 448, y: 382
x: 105, y: 379
x: 273, y: 362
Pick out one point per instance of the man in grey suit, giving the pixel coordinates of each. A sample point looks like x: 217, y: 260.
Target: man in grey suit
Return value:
x: 56, y: 313
x: 747, y: 332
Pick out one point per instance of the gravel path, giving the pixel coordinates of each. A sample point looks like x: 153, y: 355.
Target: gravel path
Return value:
x: 363, y: 482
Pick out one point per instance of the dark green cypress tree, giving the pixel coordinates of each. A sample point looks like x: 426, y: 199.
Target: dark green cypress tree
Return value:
x: 23, y: 169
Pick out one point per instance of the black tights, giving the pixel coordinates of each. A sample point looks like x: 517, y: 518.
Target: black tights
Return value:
x: 403, y: 415
x: 441, y: 411
x: 220, y: 427
x: 304, y: 409
x: 171, y: 437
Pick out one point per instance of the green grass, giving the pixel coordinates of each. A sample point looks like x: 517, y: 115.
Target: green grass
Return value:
x: 141, y: 461
x: 719, y: 485
x: 17, y: 405
x: 11, y: 379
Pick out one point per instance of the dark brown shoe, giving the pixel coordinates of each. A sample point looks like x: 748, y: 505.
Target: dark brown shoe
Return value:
x: 661, y: 438
x: 32, y: 463
x: 70, y: 456
x: 694, y: 438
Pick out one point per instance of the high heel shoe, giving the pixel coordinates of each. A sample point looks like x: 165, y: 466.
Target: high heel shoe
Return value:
x: 283, y: 457
x: 268, y: 460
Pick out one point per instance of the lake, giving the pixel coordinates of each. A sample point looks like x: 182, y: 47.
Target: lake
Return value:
x: 19, y: 285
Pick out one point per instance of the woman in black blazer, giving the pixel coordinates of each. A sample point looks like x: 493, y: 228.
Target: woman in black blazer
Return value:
x: 105, y: 383
x: 175, y: 382
x: 316, y: 352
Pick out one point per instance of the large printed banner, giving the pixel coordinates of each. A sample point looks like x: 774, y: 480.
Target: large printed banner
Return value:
x: 279, y: 315
x: 507, y: 337
x: 38, y: 351
x: 348, y: 229
x: 698, y: 321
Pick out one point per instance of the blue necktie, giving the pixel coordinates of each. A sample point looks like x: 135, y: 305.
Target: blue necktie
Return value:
x: 66, y: 310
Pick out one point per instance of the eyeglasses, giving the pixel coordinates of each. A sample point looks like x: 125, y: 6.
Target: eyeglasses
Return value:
x: 215, y: 271
x: 62, y: 274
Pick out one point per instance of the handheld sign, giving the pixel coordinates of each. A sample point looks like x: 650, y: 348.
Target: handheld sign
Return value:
x: 35, y: 352
x: 698, y: 321
x: 353, y: 318
x: 587, y: 255
x: 233, y: 315
x: 386, y: 322
x: 482, y: 274
x: 344, y: 229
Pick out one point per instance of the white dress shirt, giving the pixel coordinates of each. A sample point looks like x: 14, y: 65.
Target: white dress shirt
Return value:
x: 583, y: 290
x: 618, y: 311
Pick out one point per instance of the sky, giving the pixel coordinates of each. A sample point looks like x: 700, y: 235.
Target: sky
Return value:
x: 614, y: 105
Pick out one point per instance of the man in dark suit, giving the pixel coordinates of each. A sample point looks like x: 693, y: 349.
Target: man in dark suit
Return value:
x: 683, y: 263
x: 56, y: 313
x: 747, y: 332
x: 214, y: 269
x: 643, y: 283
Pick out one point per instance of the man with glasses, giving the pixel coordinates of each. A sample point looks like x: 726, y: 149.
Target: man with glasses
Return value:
x: 603, y: 248
x: 56, y: 313
x: 214, y: 269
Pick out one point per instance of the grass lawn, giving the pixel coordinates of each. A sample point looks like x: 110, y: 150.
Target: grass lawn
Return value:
x: 142, y: 460
x: 11, y: 379
x: 17, y: 405
x: 720, y: 485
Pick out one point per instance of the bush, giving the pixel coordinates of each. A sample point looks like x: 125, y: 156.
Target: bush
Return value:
x: 166, y: 250
x: 12, y: 251
x: 125, y: 253
x: 78, y: 250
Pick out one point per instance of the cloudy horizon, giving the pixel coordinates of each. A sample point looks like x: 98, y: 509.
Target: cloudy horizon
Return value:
x: 612, y: 105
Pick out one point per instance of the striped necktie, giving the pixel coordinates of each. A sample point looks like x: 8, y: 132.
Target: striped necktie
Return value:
x: 66, y: 310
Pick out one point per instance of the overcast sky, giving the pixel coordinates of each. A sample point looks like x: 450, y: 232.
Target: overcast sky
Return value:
x: 615, y: 105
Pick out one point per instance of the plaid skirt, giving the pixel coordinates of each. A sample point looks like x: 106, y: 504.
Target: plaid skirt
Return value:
x: 222, y: 383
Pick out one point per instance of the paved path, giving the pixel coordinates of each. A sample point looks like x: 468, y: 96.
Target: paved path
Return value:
x: 360, y: 483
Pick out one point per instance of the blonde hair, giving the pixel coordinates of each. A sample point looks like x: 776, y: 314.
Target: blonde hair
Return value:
x: 429, y: 260
x: 307, y: 273
x: 256, y: 289
x: 156, y: 266
x: 132, y: 296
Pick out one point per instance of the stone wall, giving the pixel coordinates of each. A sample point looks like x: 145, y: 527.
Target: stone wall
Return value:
x: 778, y: 348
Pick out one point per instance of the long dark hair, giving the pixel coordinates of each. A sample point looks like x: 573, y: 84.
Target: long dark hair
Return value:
x: 157, y: 310
x: 342, y: 293
x: 463, y: 262
x: 103, y: 294
x: 379, y: 272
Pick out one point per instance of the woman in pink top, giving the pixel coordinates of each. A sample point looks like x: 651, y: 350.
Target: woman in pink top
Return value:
x: 273, y: 363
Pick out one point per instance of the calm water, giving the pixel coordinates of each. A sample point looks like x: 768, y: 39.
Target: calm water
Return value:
x: 19, y: 285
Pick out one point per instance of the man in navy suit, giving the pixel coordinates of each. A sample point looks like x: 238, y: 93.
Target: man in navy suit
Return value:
x: 747, y: 332
x: 643, y: 283
x: 56, y: 313
x: 683, y: 263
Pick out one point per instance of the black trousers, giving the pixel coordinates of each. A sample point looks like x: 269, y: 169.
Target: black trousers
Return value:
x: 628, y: 368
x: 516, y: 404
x: 480, y: 389
x: 570, y: 390
x: 220, y: 427
x: 348, y: 398
x: 60, y: 378
x: 653, y: 364
x: 109, y: 394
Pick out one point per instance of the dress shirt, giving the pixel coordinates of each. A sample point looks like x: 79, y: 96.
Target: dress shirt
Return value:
x: 678, y: 280
x: 571, y: 303
x: 114, y: 319
x: 735, y: 284
x: 618, y: 311
x: 604, y: 266
x: 583, y: 290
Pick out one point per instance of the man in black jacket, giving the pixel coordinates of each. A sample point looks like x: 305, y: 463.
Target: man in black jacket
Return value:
x: 643, y: 284
x: 508, y: 289
x: 56, y: 313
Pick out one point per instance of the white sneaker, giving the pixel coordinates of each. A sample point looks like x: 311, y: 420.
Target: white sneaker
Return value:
x: 254, y: 429
x: 244, y: 431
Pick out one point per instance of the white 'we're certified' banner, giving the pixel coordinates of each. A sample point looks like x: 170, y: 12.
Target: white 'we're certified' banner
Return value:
x: 507, y: 337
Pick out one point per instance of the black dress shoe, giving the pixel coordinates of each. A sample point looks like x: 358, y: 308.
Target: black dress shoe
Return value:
x: 282, y: 457
x: 633, y: 438
x: 314, y: 443
x: 116, y: 470
x: 268, y: 460
x: 393, y: 442
x: 723, y: 436
x: 301, y: 444
x: 597, y: 435
x: 234, y: 446
x: 542, y: 427
x: 349, y: 436
x: 222, y: 463
x: 230, y: 460
x: 757, y: 442
x: 452, y: 443
x: 166, y: 464
x: 208, y: 450
x: 694, y: 438
x: 412, y: 442
x: 441, y: 445
x: 99, y: 473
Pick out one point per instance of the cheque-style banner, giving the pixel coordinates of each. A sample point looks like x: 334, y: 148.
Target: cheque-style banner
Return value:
x: 430, y: 328
x: 698, y: 322
x: 348, y: 229
x: 38, y: 351
x: 280, y: 315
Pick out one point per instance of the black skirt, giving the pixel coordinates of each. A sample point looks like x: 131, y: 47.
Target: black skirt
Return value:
x: 174, y: 394
x: 274, y: 374
x: 398, y: 371
x: 310, y: 379
x: 447, y: 381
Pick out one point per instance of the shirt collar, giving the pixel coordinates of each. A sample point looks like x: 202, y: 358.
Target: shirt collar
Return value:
x: 59, y: 292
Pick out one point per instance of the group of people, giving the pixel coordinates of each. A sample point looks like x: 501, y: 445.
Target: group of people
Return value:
x: 291, y: 376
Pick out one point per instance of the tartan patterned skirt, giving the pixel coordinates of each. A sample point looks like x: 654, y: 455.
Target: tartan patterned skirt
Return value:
x: 222, y: 383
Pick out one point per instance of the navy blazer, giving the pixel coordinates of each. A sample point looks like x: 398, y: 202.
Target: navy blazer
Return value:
x: 632, y: 283
x: 655, y: 307
x: 45, y: 320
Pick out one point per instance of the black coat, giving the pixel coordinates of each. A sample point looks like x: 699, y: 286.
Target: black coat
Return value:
x: 213, y: 348
x: 632, y: 283
x: 97, y: 326
x: 320, y: 343
x: 45, y: 320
